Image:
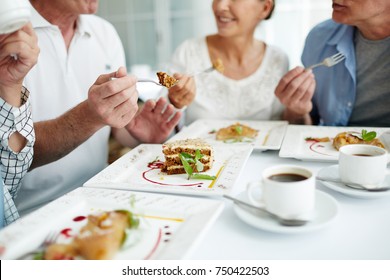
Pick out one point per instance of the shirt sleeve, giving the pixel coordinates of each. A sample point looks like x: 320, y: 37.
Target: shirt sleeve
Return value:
x: 14, y: 165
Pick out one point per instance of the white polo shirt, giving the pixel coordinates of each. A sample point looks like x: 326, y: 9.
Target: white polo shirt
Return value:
x: 59, y: 82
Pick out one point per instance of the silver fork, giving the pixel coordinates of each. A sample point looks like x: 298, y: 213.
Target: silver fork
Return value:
x: 329, y: 61
x: 208, y: 70
x: 154, y: 82
x: 149, y: 81
x: 49, y: 239
x: 258, y: 210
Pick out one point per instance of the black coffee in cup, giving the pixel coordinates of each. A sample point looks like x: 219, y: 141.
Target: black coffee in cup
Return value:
x: 287, y: 177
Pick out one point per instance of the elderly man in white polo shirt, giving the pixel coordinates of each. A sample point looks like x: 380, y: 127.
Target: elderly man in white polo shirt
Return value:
x: 73, y: 119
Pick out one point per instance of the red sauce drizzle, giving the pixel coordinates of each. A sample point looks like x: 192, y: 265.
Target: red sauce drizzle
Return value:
x: 157, y: 165
x: 315, y: 145
x: 66, y: 232
x: 79, y: 218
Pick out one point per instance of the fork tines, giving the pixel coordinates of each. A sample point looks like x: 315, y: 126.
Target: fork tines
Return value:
x: 338, y: 57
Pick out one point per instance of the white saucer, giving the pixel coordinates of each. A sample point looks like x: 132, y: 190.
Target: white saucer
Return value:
x: 325, y: 211
x: 333, y: 173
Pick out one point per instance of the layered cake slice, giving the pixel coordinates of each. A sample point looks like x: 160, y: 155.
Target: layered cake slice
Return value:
x: 188, y: 148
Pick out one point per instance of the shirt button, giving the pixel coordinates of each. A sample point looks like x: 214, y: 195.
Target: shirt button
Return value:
x: 349, y: 104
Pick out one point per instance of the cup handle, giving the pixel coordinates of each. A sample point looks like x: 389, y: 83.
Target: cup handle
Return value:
x: 250, y: 191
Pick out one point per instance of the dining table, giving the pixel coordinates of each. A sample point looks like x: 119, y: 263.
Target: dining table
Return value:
x: 195, y: 221
x: 359, y: 231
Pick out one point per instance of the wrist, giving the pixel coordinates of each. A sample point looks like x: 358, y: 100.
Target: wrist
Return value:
x: 12, y: 94
x: 296, y: 118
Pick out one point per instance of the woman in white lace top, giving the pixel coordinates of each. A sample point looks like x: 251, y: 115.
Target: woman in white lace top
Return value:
x: 252, y: 68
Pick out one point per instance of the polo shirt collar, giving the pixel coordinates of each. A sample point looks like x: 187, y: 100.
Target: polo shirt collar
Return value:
x: 39, y: 21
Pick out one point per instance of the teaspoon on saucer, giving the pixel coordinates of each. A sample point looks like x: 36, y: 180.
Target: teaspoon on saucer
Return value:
x: 257, y: 210
x: 354, y: 185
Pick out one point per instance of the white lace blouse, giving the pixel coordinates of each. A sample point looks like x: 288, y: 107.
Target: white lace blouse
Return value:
x: 219, y: 97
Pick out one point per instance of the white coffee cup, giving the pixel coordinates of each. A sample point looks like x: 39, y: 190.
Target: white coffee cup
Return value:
x: 362, y: 164
x: 14, y: 14
x: 287, y: 191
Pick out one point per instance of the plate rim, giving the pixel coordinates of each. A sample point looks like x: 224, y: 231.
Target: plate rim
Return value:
x: 242, y: 153
x: 180, y: 247
x: 291, y: 144
x: 281, y: 124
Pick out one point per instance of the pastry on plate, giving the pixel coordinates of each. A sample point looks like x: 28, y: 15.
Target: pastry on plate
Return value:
x: 350, y: 137
x: 99, y: 239
x: 236, y: 132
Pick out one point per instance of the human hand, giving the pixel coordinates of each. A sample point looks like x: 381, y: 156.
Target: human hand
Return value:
x: 111, y: 101
x: 18, y: 54
x: 155, y: 121
x: 295, y: 90
x: 183, y: 93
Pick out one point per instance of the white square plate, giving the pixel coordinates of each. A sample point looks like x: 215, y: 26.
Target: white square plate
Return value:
x: 134, y: 171
x: 270, y: 134
x: 296, y: 146
x: 170, y: 226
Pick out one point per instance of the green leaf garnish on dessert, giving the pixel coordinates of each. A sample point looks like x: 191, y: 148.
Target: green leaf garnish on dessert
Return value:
x: 238, y: 129
x: 203, y: 176
x: 368, y: 136
x: 186, y: 165
x: 187, y: 159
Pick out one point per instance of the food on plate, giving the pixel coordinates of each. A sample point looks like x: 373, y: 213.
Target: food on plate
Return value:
x: 99, y: 239
x: 166, y: 80
x: 197, y: 153
x: 350, y: 137
x: 236, y: 132
x: 318, y: 139
x: 218, y: 65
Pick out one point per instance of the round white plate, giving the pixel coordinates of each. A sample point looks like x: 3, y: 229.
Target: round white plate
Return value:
x: 325, y: 211
x: 333, y: 173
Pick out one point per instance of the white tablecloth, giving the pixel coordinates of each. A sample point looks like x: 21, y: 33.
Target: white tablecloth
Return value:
x: 361, y: 229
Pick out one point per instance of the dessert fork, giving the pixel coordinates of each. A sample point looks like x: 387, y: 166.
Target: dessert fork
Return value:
x: 329, y: 61
x: 152, y: 81
x: 149, y: 81
x: 49, y: 239
x: 208, y: 70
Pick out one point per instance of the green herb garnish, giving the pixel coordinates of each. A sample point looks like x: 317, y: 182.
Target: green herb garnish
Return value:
x: 368, y: 136
x: 187, y: 159
x: 186, y: 165
x: 133, y: 219
x: 239, y: 140
x: 238, y: 129
x: 39, y: 256
x: 154, y: 161
x: 203, y: 176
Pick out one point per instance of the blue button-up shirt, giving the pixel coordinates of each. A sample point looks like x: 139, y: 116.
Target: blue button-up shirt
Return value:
x: 335, y: 92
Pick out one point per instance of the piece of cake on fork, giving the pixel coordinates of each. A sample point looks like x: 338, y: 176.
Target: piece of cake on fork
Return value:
x: 189, y: 147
